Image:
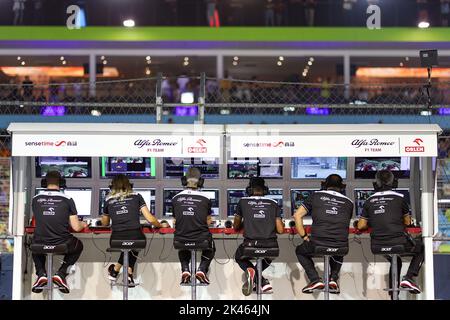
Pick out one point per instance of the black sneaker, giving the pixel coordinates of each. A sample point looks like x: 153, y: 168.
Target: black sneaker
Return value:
x: 334, y: 287
x: 202, y: 277
x: 247, y: 288
x: 60, y: 280
x: 312, y: 286
x: 112, y: 274
x: 41, y: 282
x: 408, y: 283
x: 266, y: 287
x: 131, y: 283
x: 185, y: 277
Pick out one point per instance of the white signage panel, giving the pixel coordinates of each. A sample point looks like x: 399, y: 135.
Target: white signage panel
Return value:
x: 338, y: 145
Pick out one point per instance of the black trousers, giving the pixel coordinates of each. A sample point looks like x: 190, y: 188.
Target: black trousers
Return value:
x: 305, y: 252
x: 245, y: 263
x: 205, y: 261
x: 414, y: 248
x: 135, y: 234
x: 74, y: 249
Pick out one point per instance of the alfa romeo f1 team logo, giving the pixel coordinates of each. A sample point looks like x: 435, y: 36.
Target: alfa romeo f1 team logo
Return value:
x: 418, y: 147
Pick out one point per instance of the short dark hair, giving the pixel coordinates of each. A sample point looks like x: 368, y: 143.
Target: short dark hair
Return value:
x: 385, y: 178
x: 53, y: 177
x: 121, y: 183
x: 334, y: 181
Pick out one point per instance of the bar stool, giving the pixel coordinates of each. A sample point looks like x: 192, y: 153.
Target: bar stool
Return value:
x: 260, y: 254
x: 193, y: 247
x: 394, y: 252
x: 126, y: 246
x: 326, y: 253
x: 49, y: 250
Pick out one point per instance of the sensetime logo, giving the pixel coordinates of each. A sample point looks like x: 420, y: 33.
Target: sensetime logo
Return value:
x: 199, y: 147
x: 276, y: 144
x: 59, y: 143
x: 418, y: 147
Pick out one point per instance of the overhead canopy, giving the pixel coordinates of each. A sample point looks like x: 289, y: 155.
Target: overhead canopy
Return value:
x: 178, y: 140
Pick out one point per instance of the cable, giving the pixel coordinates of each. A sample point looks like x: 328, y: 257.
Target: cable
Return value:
x: 162, y: 250
x: 105, y: 263
x: 224, y: 249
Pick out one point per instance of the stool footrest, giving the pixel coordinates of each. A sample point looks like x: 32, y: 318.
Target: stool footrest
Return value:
x: 198, y: 284
x: 399, y: 289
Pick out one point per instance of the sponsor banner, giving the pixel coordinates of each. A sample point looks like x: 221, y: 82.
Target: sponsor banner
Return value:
x: 333, y: 146
x: 114, y: 145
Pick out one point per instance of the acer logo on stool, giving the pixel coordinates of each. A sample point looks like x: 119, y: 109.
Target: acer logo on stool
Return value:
x: 332, y: 249
x: 127, y: 243
x: 49, y: 247
x: 386, y: 249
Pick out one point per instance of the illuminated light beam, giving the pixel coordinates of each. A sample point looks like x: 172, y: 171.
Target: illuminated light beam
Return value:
x: 369, y: 72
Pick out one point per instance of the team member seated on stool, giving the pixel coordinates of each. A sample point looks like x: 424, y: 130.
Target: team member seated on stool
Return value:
x: 387, y: 213
x: 192, y: 216
x: 331, y: 212
x: 54, y: 212
x: 261, y: 220
x: 123, y: 207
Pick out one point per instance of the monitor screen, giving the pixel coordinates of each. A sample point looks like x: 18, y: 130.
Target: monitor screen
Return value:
x: 298, y: 196
x: 318, y: 168
x: 175, y: 168
x: 147, y: 194
x: 69, y: 167
x: 245, y: 168
x: 170, y: 193
x: 81, y: 196
x: 234, y: 195
x: 366, y: 168
x: 133, y: 167
x: 361, y: 195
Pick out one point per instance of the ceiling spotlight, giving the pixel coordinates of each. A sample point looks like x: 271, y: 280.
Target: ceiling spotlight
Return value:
x: 235, y: 63
x: 64, y: 62
x: 61, y: 58
x: 129, y: 23
x: 236, y: 58
x: 23, y: 63
x: 423, y: 24
x: 102, y: 57
x: 105, y: 61
x: 304, y: 74
x: 279, y: 63
x: 148, y: 58
x: 406, y: 58
x: 148, y: 71
x: 96, y: 113
x: 149, y: 61
x: 186, y: 58
x: 309, y: 63
x: 401, y: 64
x: 311, y: 59
x: 281, y: 58
x: 186, y: 63
x: 19, y: 57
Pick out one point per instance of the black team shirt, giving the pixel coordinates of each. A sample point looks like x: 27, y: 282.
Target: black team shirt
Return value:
x: 124, y: 211
x: 331, y: 212
x: 385, y: 212
x: 190, y: 210
x: 52, y: 210
x: 259, y: 215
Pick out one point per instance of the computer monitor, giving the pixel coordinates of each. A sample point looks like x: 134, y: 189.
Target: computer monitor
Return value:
x: 245, y: 168
x: 318, y: 167
x: 366, y: 168
x: 298, y: 196
x: 81, y: 196
x: 361, y: 195
x: 132, y: 167
x: 168, y: 194
x: 146, y: 193
x: 175, y: 168
x: 68, y: 167
x: 234, y: 195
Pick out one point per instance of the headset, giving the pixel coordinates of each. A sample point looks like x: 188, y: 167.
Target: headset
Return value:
x: 377, y: 186
x: 62, y: 183
x: 200, y: 182
x: 325, y: 184
x: 256, y: 181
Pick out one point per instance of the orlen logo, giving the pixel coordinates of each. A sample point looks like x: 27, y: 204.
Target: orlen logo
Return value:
x: 127, y: 243
x: 417, y: 148
x: 49, y: 247
x: 200, y: 147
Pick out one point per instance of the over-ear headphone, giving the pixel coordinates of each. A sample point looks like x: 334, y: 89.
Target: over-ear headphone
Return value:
x: 256, y: 181
x: 200, y: 182
x: 325, y: 184
x: 378, y: 186
x: 62, y: 183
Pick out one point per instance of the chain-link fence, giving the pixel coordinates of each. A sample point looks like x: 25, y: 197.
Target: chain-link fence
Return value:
x: 203, y: 97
